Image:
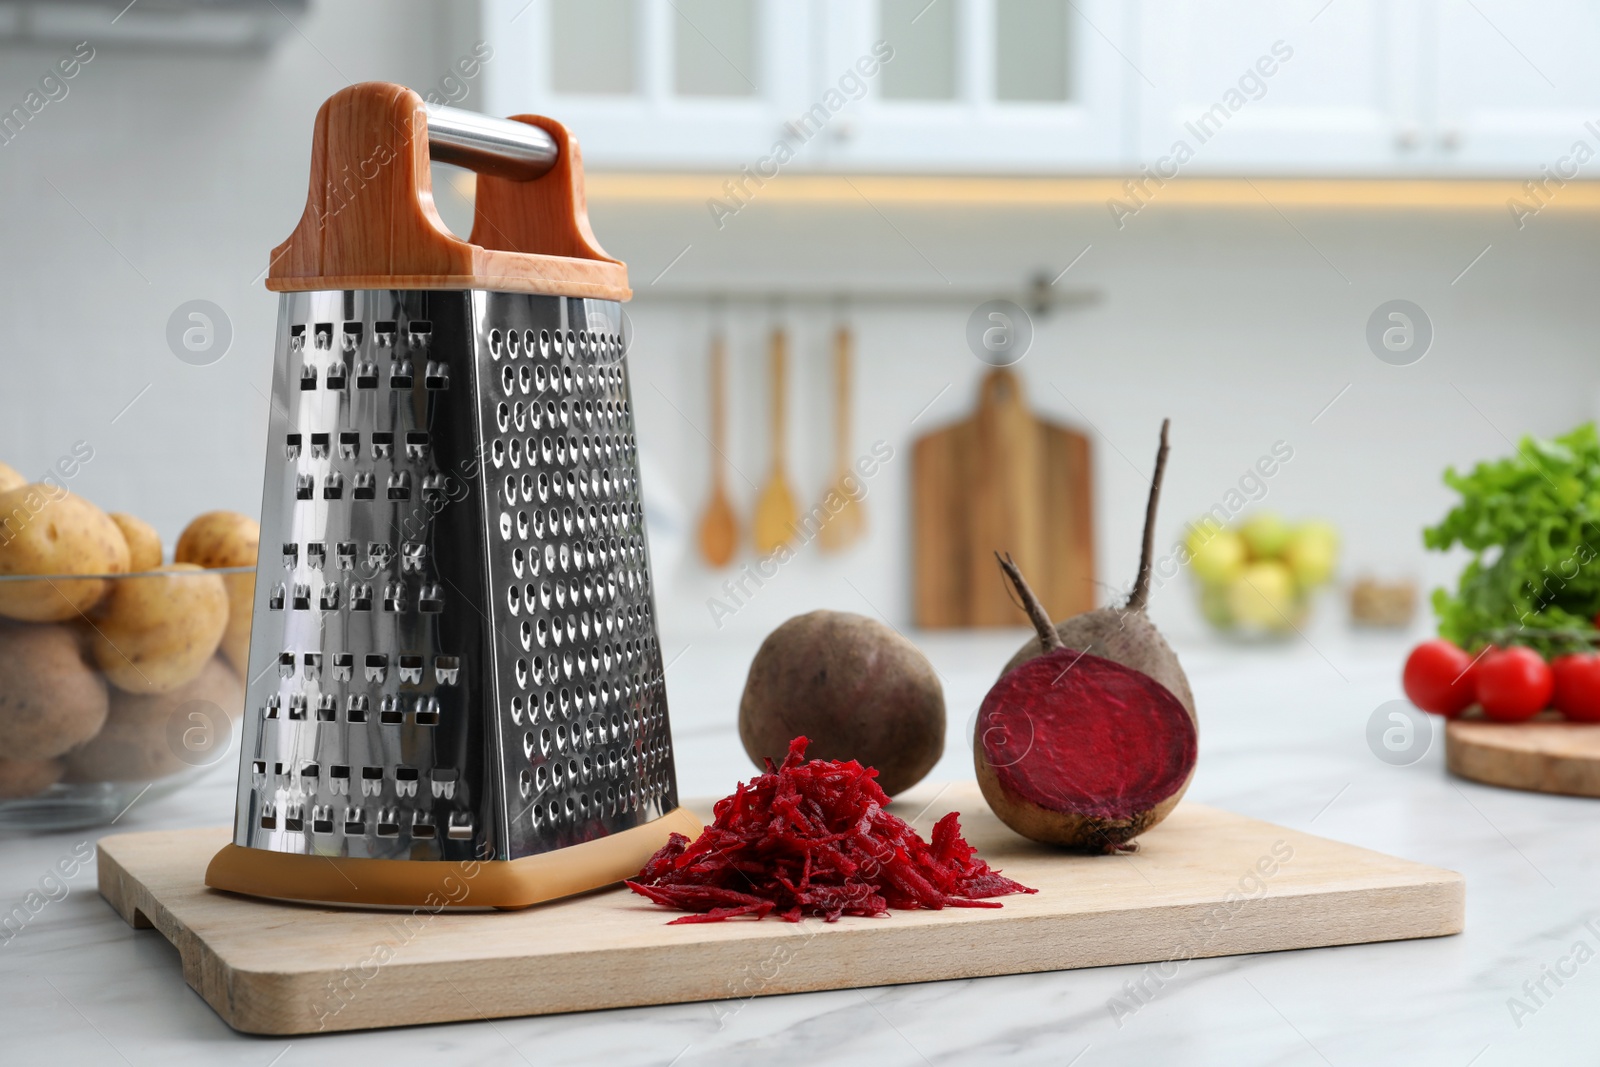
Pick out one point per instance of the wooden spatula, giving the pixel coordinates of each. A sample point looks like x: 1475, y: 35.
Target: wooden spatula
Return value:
x: 845, y: 526
x: 719, y: 527
x: 776, y: 511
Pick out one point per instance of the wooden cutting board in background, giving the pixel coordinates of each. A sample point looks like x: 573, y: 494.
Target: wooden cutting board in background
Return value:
x: 1543, y: 755
x: 1003, y: 480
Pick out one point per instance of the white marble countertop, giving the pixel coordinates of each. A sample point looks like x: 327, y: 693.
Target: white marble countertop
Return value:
x: 1282, y: 738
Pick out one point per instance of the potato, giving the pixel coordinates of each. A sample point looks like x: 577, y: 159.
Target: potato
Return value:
x: 144, y: 544
x: 154, y: 634
x: 10, y: 479
x: 47, y: 530
x: 148, y: 737
x: 27, y: 777
x: 50, y: 698
x: 227, y: 539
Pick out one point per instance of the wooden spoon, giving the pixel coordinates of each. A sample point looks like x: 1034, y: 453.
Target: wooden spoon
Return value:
x: 719, y: 527
x: 845, y: 526
x: 775, y: 510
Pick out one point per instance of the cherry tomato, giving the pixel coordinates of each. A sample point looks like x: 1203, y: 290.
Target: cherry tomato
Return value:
x: 1433, y: 678
x: 1577, y: 681
x: 1514, y: 684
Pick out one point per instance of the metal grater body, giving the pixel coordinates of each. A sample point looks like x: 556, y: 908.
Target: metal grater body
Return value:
x: 454, y: 651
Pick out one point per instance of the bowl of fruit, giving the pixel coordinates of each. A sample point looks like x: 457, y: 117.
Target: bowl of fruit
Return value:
x: 121, y: 669
x: 1257, y: 578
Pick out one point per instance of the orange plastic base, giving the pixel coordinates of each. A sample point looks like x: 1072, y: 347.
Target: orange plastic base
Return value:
x: 445, y: 883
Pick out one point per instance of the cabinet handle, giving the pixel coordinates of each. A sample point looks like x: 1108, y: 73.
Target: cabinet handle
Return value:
x: 1407, y: 139
x: 1449, y: 140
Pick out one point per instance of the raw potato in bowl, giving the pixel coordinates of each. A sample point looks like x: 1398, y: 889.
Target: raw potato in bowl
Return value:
x: 144, y: 544
x: 45, y: 530
x: 154, y: 634
x: 144, y: 737
x: 227, y: 539
x: 50, y: 698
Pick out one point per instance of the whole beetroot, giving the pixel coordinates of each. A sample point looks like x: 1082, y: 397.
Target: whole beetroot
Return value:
x: 852, y: 685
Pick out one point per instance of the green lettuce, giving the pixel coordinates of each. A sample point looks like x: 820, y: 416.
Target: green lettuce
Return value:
x: 1532, y: 522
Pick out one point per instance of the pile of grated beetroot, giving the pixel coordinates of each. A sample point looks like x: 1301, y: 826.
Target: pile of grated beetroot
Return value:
x: 812, y: 838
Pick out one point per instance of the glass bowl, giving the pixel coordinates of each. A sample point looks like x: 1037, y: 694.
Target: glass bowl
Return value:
x: 116, y: 688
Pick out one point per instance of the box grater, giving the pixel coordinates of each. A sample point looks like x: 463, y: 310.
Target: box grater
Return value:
x: 456, y: 692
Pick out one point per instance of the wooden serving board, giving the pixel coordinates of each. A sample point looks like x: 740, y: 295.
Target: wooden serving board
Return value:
x: 1204, y: 883
x: 1545, y: 755
x: 1003, y: 480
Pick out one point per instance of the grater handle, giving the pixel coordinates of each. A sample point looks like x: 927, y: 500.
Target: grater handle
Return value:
x: 500, y: 147
x: 370, y: 220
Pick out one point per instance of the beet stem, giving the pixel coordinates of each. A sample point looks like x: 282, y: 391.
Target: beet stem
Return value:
x: 1141, y: 586
x: 1048, y: 638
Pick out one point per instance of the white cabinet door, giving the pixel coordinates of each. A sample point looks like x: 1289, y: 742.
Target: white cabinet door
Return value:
x: 654, y: 83
x: 1274, y: 87
x: 1002, y: 86
x: 1518, y: 88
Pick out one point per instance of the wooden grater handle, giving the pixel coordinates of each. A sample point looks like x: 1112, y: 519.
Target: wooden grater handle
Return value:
x: 370, y: 220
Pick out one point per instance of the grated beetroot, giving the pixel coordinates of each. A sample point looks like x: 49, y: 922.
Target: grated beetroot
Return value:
x: 812, y: 838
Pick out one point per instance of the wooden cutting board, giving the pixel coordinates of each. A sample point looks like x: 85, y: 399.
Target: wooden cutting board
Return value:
x: 1204, y: 883
x: 1545, y: 755
x: 1002, y: 480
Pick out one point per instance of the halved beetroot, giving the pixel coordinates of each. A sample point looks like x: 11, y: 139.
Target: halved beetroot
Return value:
x: 1077, y: 750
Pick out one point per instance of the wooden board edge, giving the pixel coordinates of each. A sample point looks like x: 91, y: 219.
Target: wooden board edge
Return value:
x: 141, y: 909
x: 1525, y: 770
x: 736, y: 970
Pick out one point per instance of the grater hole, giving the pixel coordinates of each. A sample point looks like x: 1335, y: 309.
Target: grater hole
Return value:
x: 496, y: 343
x: 427, y: 713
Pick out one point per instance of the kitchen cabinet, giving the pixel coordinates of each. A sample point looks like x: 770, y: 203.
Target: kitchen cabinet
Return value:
x: 1517, y: 88
x: 848, y: 85
x: 1257, y: 87
x: 985, y: 85
x: 686, y: 84
x: 1378, y: 88
x: 1405, y: 88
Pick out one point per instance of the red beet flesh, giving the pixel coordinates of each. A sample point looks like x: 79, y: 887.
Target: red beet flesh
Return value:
x: 812, y: 838
x: 1086, y: 736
